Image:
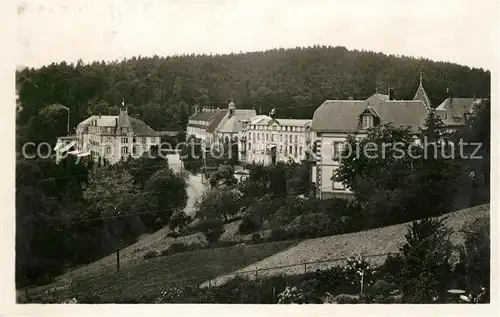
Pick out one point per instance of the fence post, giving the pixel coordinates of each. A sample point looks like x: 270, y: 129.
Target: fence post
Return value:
x: 305, y: 267
x: 256, y: 274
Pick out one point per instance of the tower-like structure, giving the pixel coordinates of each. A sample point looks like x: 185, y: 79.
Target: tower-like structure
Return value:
x: 422, y: 95
x: 232, y: 108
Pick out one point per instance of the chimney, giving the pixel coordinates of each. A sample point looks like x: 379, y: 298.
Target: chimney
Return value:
x: 391, y: 94
x: 449, y: 94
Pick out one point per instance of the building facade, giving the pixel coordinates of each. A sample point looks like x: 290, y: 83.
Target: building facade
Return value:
x: 215, y: 126
x: 268, y: 140
x: 204, y: 122
x: 111, y: 137
x: 334, y: 120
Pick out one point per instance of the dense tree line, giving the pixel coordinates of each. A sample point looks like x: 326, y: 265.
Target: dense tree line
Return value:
x: 162, y: 90
x: 75, y: 212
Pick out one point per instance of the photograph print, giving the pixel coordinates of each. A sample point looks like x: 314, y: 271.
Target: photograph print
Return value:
x: 253, y: 152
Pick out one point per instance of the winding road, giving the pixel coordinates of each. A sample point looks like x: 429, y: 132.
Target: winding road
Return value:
x: 195, y: 188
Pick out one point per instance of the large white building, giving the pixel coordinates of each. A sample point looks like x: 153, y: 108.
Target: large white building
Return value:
x: 111, y: 137
x: 268, y: 140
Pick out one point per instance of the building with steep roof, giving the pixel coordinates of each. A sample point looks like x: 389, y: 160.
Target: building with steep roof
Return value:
x: 334, y: 120
x: 454, y: 112
x: 111, y: 137
x: 204, y: 121
x: 422, y: 95
x: 217, y: 125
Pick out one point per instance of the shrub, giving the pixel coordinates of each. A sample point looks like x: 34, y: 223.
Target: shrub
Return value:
x: 381, y: 289
x: 181, y: 247
x: 256, y: 238
x: 250, y: 223
x: 328, y: 280
x: 474, y: 269
x: 170, y: 295
x: 150, y: 254
x: 346, y: 299
x: 212, y: 229
x: 177, y: 247
x: 311, y: 226
x: 291, y: 295
x: 425, y: 262
x: 278, y: 234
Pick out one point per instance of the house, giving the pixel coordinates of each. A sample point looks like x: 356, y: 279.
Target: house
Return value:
x: 334, y: 120
x: 204, y: 121
x: 217, y: 125
x: 110, y: 137
x: 454, y: 112
x: 267, y: 140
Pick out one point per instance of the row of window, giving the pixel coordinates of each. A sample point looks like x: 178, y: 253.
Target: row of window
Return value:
x: 134, y: 140
x: 277, y: 128
x: 296, y: 150
x: 274, y: 137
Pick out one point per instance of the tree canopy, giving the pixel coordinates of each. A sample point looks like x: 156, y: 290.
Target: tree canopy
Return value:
x: 162, y: 90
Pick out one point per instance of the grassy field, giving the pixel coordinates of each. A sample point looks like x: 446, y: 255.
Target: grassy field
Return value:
x: 188, y: 268
x: 374, y: 244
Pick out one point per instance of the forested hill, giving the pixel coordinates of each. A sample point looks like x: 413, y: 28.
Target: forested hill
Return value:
x: 162, y: 90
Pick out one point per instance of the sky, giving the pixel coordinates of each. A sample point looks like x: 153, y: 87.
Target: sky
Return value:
x: 460, y: 31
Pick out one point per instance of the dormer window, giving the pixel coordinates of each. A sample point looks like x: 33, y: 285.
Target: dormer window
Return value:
x: 367, y: 121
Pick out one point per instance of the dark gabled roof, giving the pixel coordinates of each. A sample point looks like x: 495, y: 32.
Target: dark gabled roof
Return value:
x: 140, y: 128
x: 337, y: 116
x: 220, y: 114
x: 344, y: 115
x: 123, y: 119
x: 203, y: 115
x: 422, y: 95
x: 371, y: 110
x: 168, y: 133
x: 195, y: 125
x: 452, y: 110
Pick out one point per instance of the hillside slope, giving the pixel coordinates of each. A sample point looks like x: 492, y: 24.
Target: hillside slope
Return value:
x: 374, y: 244
x: 137, y: 250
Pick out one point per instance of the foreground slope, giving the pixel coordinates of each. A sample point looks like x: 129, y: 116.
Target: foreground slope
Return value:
x: 374, y: 244
x: 153, y: 276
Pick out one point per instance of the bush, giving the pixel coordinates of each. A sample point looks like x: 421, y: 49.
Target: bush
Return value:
x: 425, y: 262
x: 256, y: 238
x: 278, y: 234
x: 311, y: 226
x: 346, y: 299
x: 212, y: 229
x: 250, y: 223
x: 291, y: 295
x: 177, y: 247
x: 151, y: 254
x: 181, y: 247
x: 474, y: 269
x: 382, y: 288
